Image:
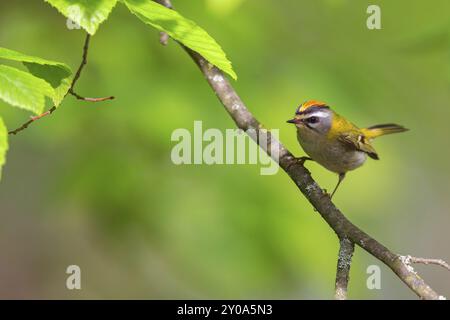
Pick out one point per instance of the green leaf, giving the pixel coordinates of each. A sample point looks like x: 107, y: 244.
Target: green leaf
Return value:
x: 23, y: 90
x: 59, y: 79
x: 57, y: 74
x: 3, y: 145
x: 181, y: 29
x: 88, y: 14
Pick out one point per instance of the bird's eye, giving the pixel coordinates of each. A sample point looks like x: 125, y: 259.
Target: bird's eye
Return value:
x: 312, y: 120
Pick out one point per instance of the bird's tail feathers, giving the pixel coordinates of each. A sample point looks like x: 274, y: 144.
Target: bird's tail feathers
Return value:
x: 382, y: 129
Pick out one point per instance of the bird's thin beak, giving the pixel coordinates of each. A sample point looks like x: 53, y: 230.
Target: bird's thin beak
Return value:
x: 293, y: 121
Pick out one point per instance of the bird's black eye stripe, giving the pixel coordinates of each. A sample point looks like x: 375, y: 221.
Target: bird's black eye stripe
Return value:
x: 312, y: 119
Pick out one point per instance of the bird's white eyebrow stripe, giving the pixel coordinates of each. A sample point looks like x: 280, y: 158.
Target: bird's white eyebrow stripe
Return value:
x: 320, y: 114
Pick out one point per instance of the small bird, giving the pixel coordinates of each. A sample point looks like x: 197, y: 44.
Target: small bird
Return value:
x: 333, y: 141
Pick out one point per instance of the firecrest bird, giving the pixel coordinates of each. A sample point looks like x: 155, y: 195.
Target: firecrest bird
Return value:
x: 333, y: 141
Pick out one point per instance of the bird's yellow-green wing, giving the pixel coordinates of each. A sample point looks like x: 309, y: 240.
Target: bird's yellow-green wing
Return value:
x: 350, y: 135
x: 356, y: 140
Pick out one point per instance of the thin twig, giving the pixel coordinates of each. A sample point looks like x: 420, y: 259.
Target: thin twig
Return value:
x: 165, y: 3
x: 346, y: 249
x: 245, y: 120
x: 83, y: 62
x: 91, y: 99
x: 438, y: 262
x: 163, y: 38
x: 32, y: 119
x: 70, y: 91
x: 40, y: 116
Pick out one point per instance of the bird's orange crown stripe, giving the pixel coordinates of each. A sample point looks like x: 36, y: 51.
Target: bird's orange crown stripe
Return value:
x: 311, y: 103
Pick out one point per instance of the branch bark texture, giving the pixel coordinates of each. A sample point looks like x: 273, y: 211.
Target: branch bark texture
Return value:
x: 346, y: 249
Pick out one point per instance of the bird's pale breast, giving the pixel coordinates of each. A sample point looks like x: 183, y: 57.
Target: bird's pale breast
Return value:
x: 331, y: 154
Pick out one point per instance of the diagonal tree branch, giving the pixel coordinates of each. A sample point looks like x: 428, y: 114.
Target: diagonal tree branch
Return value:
x: 70, y: 91
x: 346, y: 249
x: 310, y: 189
x: 343, y: 228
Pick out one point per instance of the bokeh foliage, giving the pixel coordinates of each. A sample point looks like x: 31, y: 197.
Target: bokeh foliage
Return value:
x: 93, y: 184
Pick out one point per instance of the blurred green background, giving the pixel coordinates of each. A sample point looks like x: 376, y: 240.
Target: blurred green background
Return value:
x: 93, y: 185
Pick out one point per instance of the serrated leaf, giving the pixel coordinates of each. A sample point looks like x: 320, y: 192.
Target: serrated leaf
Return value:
x: 183, y: 30
x: 58, y: 78
x: 88, y: 14
x: 3, y: 145
x: 23, y: 90
x: 57, y: 74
